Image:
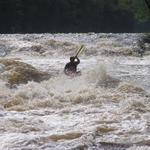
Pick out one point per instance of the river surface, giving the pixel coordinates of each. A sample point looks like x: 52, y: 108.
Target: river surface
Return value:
x: 106, y: 108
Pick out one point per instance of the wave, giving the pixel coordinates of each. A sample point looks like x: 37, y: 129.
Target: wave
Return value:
x: 47, y: 45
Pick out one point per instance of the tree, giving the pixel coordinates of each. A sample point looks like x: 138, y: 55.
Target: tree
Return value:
x: 148, y: 3
x: 138, y: 7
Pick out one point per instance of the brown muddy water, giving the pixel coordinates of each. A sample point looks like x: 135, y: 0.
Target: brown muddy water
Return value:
x: 106, y: 108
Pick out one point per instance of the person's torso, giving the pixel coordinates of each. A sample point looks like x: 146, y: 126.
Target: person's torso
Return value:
x: 71, y: 66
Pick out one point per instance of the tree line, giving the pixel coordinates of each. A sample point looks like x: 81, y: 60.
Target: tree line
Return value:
x: 37, y: 16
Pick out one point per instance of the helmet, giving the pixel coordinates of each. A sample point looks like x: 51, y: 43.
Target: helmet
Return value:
x: 71, y: 59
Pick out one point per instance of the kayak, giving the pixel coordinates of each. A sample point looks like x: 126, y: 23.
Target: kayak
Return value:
x: 73, y: 74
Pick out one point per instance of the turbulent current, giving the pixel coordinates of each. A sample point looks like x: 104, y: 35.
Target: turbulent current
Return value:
x: 106, y: 108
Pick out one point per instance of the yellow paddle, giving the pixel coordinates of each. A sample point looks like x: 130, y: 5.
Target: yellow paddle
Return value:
x: 79, y: 50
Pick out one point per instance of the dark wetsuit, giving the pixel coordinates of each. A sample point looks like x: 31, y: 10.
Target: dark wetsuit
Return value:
x: 71, y: 67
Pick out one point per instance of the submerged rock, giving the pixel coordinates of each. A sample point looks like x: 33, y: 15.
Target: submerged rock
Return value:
x: 129, y: 88
x: 67, y: 136
x: 122, y: 51
x: 16, y: 72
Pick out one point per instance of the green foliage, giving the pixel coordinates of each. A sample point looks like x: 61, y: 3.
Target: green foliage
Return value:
x: 138, y: 7
x: 72, y: 15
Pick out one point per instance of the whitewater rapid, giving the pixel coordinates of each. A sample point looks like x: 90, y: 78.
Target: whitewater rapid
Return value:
x: 107, y: 107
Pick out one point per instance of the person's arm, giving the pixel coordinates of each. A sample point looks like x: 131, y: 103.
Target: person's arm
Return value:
x: 66, y: 68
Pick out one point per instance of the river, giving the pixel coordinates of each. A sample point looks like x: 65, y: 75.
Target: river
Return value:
x: 106, y: 108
